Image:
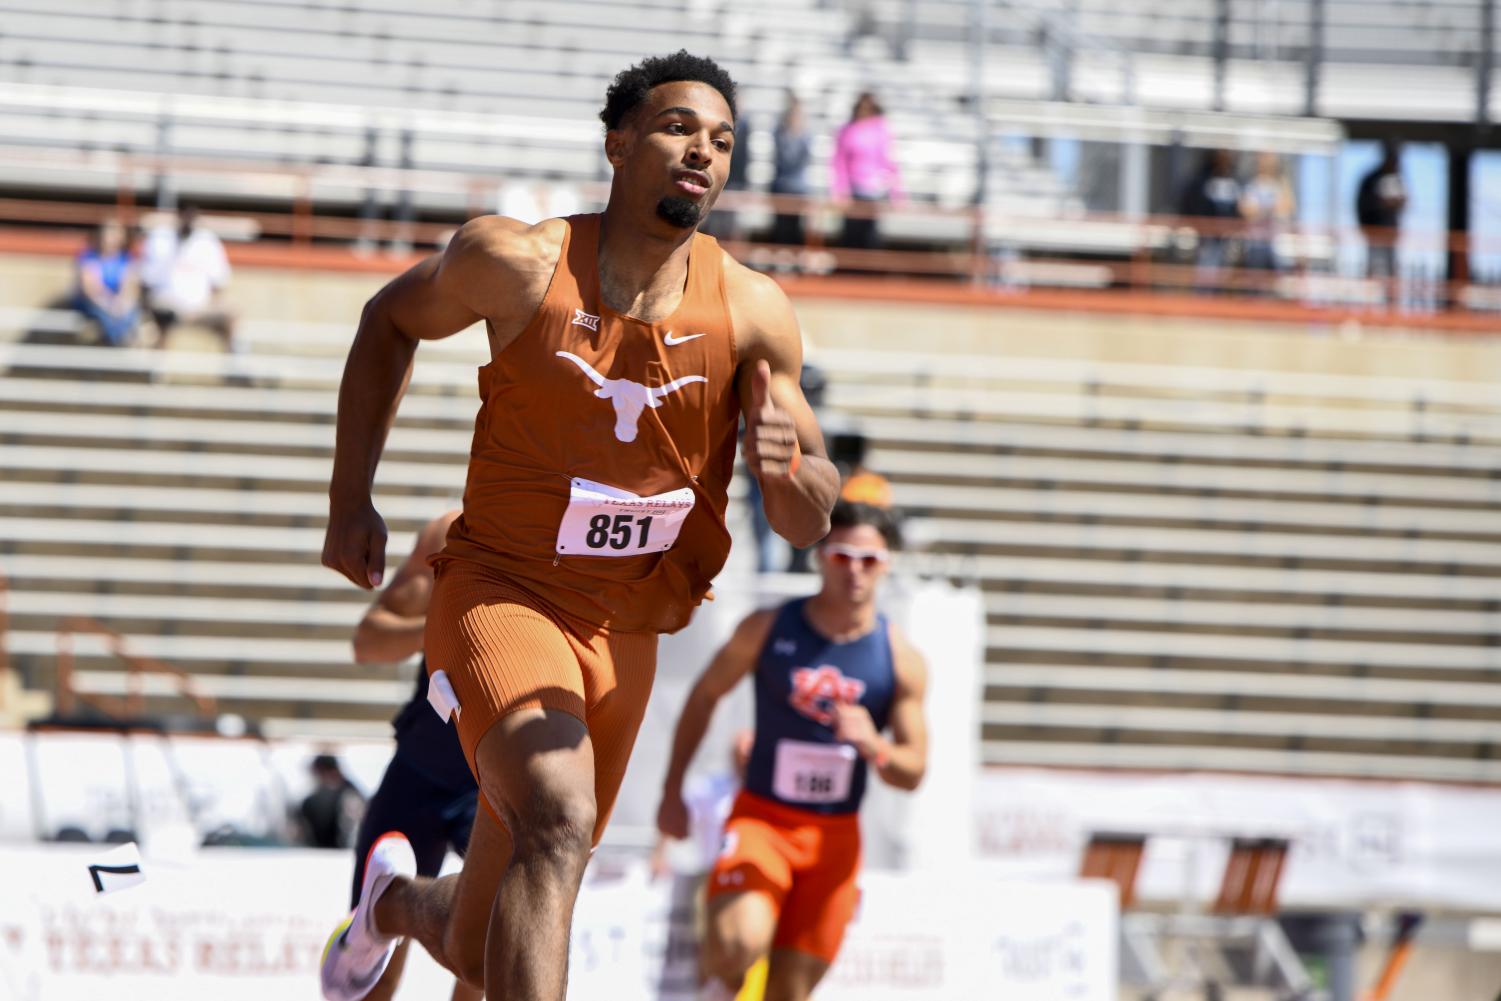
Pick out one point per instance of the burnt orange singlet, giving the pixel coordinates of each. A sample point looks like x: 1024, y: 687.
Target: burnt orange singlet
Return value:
x: 588, y: 409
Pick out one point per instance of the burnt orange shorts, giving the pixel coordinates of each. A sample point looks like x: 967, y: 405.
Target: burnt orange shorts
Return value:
x: 505, y: 649
x: 806, y: 862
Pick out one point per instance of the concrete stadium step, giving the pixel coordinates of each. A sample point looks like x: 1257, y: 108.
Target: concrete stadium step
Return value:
x: 1167, y: 414
x: 1003, y: 572
x: 179, y: 400
x: 173, y: 433
x: 307, y: 580
x: 1178, y: 756
x: 1232, y: 723
x: 246, y: 614
x: 1023, y: 643
x: 264, y: 369
x: 440, y: 480
x: 897, y: 433
x: 34, y: 652
x: 116, y: 502
x: 978, y: 535
x: 1303, y: 619
x: 1193, y: 381
x: 1148, y: 477
x: 256, y: 542
x: 1409, y: 696
x: 338, y: 691
x: 1354, y: 517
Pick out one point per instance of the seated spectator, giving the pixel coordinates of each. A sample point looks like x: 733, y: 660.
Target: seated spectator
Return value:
x: 108, y: 284
x: 185, y: 272
x: 331, y: 813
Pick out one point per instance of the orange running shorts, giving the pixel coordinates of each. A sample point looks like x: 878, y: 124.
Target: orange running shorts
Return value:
x: 505, y: 648
x: 806, y: 862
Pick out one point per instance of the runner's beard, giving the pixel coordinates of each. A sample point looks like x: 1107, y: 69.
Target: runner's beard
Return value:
x: 683, y: 213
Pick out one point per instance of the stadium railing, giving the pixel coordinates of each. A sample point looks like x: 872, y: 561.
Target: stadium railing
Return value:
x: 1025, y: 260
x: 133, y: 704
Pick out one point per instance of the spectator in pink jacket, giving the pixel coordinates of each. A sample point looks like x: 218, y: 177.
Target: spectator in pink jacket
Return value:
x: 864, y: 170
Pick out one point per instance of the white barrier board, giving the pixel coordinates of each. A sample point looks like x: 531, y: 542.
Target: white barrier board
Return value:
x: 232, y: 924
x: 1353, y: 844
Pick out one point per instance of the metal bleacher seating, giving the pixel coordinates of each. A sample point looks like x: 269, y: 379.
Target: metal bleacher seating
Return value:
x: 1182, y: 566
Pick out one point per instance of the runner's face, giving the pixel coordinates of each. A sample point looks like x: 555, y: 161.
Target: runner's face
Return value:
x: 852, y: 562
x: 674, y: 151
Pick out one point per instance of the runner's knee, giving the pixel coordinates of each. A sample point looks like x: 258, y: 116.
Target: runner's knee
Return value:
x: 556, y: 824
x: 732, y: 950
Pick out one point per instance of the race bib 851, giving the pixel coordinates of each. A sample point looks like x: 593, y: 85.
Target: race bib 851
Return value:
x: 602, y: 520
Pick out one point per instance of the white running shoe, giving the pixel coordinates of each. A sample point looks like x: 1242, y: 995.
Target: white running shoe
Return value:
x: 356, y: 954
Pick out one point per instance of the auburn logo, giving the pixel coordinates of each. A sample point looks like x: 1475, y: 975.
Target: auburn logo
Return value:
x: 817, y: 690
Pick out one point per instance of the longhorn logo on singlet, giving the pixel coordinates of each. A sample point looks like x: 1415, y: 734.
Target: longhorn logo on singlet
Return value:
x: 630, y: 398
x: 818, y: 691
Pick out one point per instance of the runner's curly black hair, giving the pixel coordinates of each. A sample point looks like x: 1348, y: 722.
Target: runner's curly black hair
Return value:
x: 630, y: 87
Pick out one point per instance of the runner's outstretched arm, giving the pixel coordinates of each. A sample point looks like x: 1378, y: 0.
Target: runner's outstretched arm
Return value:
x: 783, y: 447
x: 735, y: 660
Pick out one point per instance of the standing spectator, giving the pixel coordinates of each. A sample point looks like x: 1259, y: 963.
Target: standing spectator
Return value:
x: 331, y: 812
x: 109, y: 284
x: 1214, y: 194
x: 794, y: 151
x: 185, y: 273
x: 864, y: 170
x: 1378, y: 208
x: 1268, y: 206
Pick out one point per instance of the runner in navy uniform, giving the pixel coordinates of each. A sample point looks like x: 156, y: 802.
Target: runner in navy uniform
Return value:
x: 831, y: 674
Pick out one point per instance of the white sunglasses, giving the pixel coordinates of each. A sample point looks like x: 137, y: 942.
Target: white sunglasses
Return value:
x: 868, y: 558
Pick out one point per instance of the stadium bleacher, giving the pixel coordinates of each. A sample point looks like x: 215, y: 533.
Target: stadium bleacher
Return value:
x: 1234, y: 567
x: 1182, y: 564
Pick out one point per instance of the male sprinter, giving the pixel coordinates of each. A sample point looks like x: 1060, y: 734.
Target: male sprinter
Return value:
x: 427, y: 793
x: 625, y: 349
x: 830, y: 675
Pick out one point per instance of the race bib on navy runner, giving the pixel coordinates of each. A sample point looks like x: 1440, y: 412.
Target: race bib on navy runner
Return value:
x: 602, y: 520
x: 813, y: 773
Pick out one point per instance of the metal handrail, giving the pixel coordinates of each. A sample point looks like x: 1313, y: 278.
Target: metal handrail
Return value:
x: 67, y: 696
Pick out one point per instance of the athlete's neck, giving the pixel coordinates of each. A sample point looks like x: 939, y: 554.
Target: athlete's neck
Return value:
x: 642, y: 272
x: 837, y: 620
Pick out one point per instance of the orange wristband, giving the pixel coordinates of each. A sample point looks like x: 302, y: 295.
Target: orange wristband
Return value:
x: 797, y: 460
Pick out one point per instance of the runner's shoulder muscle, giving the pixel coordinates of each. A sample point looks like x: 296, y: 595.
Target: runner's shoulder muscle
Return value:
x: 765, y: 324
x: 503, y: 267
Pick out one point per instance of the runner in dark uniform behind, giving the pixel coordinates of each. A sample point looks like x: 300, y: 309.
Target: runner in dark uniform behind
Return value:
x: 427, y: 793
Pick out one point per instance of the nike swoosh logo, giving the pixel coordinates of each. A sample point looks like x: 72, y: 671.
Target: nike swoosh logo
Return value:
x: 673, y: 342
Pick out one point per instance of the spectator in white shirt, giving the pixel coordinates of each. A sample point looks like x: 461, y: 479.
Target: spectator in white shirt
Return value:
x: 185, y: 273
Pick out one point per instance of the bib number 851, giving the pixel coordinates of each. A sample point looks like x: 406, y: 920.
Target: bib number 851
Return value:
x: 623, y: 531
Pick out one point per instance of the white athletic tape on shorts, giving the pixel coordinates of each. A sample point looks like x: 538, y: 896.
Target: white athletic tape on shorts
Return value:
x: 441, y: 697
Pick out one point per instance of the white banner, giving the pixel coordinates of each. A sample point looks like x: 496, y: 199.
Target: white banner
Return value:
x: 1354, y: 844
x: 232, y: 924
